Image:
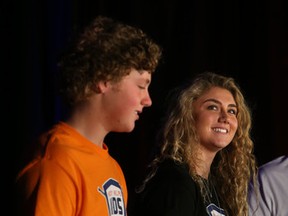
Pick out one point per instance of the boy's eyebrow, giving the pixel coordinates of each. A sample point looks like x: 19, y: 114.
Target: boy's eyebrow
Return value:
x: 148, y: 81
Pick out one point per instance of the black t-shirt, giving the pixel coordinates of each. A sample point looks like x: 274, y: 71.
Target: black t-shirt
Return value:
x: 172, y: 192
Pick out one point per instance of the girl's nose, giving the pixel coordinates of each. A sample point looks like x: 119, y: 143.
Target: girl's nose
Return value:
x: 224, y: 118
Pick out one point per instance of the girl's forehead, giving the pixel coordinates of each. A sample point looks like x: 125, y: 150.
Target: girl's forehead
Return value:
x: 217, y: 93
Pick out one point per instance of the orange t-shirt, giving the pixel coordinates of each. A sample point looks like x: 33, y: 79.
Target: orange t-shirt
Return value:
x: 72, y: 176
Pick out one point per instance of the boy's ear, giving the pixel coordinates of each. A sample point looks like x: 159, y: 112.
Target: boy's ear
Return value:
x: 101, y: 86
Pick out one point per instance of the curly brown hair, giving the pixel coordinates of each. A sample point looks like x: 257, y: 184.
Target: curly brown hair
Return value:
x: 106, y: 50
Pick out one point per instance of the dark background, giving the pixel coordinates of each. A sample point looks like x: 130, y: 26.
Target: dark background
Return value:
x: 243, y: 39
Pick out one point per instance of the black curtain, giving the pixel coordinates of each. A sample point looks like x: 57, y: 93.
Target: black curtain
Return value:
x: 244, y: 39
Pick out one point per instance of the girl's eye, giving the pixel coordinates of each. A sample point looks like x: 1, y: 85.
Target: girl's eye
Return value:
x: 232, y: 111
x: 212, y: 107
x: 215, y: 107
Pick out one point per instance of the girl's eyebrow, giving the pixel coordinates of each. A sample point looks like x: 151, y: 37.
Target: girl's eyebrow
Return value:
x: 218, y: 102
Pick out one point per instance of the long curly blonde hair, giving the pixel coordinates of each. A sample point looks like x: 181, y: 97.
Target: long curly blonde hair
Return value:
x: 233, y: 166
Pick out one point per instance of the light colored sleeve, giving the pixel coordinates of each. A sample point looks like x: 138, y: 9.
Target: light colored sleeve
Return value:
x: 273, y: 190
